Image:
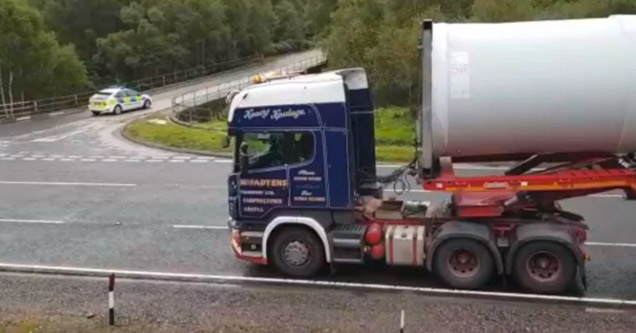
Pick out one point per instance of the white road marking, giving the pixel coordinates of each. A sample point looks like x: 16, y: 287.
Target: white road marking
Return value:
x: 183, y: 277
x: 603, y: 310
x: 222, y: 161
x: 48, y: 159
x: 154, y: 161
x: 96, y: 157
x: 29, y: 159
x: 199, y: 161
x: 23, y: 118
x: 59, y: 137
x: 117, y: 157
x: 74, y: 156
x: 610, y: 244
x: 31, y: 221
x: 88, y: 160
x: 37, y: 156
x: 7, y: 159
x: 177, y: 161
x: 132, y: 160
x: 6, y: 182
x: 160, y: 157
x: 109, y: 160
x: 213, y: 227
x: 67, y: 160
x: 56, y: 113
x: 181, y: 157
x: 57, y: 156
x: 207, y: 158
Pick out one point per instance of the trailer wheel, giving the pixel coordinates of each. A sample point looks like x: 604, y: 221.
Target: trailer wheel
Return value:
x: 544, y: 267
x: 297, y: 252
x: 463, y: 263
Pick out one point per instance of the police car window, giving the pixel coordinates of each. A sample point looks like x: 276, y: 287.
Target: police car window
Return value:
x: 131, y: 93
x: 120, y: 94
x: 265, y: 150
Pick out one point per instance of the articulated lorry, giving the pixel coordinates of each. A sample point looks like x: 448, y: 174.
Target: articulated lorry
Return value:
x: 553, y: 100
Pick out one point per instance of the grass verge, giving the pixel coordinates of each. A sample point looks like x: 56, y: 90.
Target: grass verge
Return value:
x: 394, y: 131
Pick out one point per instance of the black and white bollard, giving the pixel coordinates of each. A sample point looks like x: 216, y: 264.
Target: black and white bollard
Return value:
x: 402, y: 321
x: 111, y: 299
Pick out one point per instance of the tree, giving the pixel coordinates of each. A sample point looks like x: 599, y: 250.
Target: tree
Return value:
x: 32, y: 63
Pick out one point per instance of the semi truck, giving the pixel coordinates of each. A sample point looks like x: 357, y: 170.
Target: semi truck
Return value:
x: 553, y: 101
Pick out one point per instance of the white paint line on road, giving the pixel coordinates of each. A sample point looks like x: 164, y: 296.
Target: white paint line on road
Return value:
x: 132, y: 160
x: 610, y: 244
x: 48, y: 159
x: 23, y: 118
x: 29, y: 159
x: 74, y: 156
x: 223, y: 161
x: 37, y: 156
x: 184, y: 277
x: 31, y: 221
x: 59, y: 137
x: 181, y: 157
x: 177, y: 161
x: 117, y: 157
x: 7, y: 159
x: 212, y: 227
x: 154, y: 161
x: 5, y: 182
x: 67, y: 160
x: 199, y: 161
x: 207, y: 158
x: 57, y: 156
x: 109, y: 160
x: 88, y: 160
x: 603, y: 310
x: 160, y: 157
x: 56, y: 113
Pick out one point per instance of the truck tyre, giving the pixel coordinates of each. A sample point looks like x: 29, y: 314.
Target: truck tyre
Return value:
x: 463, y: 263
x: 544, y: 267
x: 297, y: 252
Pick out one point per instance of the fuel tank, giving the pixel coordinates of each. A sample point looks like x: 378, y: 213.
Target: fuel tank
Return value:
x: 529, y: 87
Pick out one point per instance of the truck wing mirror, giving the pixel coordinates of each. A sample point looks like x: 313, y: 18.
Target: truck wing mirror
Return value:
x: 244, y: 158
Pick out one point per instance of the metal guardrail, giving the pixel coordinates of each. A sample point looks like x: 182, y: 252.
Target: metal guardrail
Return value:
x: 52, y: 104
x: 185, y: 106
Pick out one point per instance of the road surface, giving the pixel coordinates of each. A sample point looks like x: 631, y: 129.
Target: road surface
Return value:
x: 75, y: 194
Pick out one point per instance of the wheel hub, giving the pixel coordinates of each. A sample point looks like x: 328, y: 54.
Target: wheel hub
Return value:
x: 463, y: 263
x: 543, y: 266
x: 296, y: 253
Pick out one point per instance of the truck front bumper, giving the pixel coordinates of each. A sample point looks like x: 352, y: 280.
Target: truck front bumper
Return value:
x: 246, y: 244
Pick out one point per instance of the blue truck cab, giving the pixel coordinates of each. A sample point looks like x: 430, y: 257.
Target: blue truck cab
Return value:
x: 304, y: 151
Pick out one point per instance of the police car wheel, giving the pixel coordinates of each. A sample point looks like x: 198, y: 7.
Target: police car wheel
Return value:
x: 147, y: 104
x: 117, y: 109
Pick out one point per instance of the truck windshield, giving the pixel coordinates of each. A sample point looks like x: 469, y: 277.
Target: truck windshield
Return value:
x: 268, y: 150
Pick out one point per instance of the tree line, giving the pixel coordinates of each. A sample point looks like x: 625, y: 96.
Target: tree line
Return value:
x: 56, y: 47
x: 382, y: 35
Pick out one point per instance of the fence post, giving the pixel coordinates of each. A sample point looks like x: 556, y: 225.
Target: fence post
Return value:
x: 163, y: 77
x: 76, y: 102
x: 35, y: 106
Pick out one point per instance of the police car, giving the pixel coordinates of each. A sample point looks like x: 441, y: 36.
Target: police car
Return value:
x: 117, y: 100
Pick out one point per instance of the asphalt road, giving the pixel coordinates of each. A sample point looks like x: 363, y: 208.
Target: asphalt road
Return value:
x: 74, y: 193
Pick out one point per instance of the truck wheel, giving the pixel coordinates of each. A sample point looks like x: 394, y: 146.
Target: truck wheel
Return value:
x: 463, y: 263
x: 297, y: 252
x: 544, y: 267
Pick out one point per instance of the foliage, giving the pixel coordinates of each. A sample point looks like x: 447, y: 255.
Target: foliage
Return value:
x: 382, y: 35
x: 32, y: 62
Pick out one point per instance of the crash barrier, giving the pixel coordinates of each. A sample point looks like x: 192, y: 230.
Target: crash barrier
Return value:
x: 197, y: 106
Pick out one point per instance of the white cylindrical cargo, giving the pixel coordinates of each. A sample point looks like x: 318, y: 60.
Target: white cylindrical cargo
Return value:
x: 532, y: 87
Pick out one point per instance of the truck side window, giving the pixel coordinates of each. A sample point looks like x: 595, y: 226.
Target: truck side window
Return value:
x: 264, y: 149
x: 303, y: 148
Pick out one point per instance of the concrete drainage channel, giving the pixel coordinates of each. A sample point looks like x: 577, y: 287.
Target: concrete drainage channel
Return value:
x: 234, y: 279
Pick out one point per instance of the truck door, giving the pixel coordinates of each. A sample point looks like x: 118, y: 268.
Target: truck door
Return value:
x: 306, y: 169
x: 264, y: 186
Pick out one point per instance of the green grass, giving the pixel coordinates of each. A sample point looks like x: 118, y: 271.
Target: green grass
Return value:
x: 394, y: 131
x: 177, y: 136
